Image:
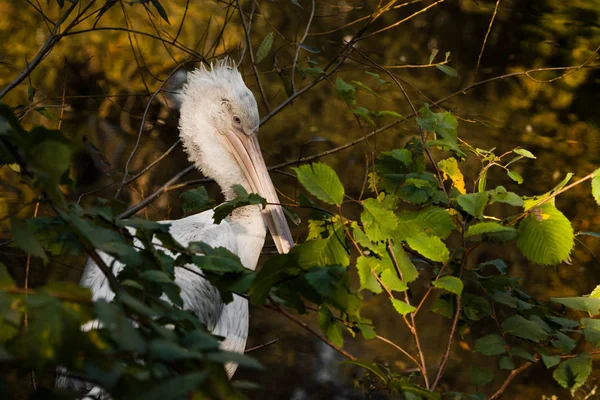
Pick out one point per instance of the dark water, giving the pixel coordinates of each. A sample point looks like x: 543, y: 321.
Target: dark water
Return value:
x: 557, y: 121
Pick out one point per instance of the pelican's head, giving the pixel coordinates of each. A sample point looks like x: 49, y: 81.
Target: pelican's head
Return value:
x: 219, y: 127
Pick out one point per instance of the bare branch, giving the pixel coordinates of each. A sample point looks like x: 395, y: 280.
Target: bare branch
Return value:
x: 299, y: 44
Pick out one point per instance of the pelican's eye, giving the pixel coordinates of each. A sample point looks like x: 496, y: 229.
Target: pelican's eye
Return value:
x: 237, y: 120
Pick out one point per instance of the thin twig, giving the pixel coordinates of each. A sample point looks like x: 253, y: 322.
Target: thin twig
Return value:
x: 513, y: 374
x: 142, y: 204
x: 299, y: 45
x: 139, y: 136
x: 44, y: 50
x: 486, y: 38
x: 261, y: 346
x: 292, y: 317
x: 252, y: 60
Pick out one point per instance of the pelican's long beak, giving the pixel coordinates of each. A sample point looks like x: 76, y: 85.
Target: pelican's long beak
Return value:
x: 247, y: 152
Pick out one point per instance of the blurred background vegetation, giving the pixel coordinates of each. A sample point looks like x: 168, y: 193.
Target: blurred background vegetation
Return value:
x: 97, y: 81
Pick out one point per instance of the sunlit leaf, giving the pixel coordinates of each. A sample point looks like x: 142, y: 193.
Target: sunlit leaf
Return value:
x: 366, y: 268
x: 588, y: 304
x: 524, y: 153
x: 515, y: 176
x: 488, y: 228
x: 379, y: 222
x: 450, y: 169
x: 450, y: 283
x: 401, y: 307
x: 322, y: 182
x: 596, y: 185
x: 430, y: 247
x: 591, y: 330
x: 546, y: 236
x: 448, y: 70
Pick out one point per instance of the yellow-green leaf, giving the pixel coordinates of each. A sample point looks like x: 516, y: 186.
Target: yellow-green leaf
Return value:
x: 546, y: 236
x: 450, y: 283
x: 322, y: 182
x: 451, y: 171
x: 401, y: 307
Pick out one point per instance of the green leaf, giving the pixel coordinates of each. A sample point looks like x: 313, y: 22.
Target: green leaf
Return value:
x: 515, y: 176
x: 473, y: 203
x: 490, y: 345
x: 122, y: 331
x: 177, y: 386
x: 326, y: 280
x: 524, y: 328
x: 196, y: 200
x: 488, y: 228
x: 443, y: 308
x: 430, y: 247
x: 448, y: 70
x: 572, y: 374
x: 520, y: 352
x: 264, y: 48
x: 564, y: 343
x: 379, y: 222
x: 406, y: 266
x: 363, y: 113
x: 391, y: 281
x: 364, y: 87
x: 546, y: 236
x: 596, y: 186
x: 346, y: 91
x: 450, y: 283
x: 388, y: 113
x: 524, y: 153
x: 480, y: 376
x: 501, y: 195
x: 506, y: 363
x: 243, y: 199
x: 371, y: 367
x: 6, y: 281
x: 591, y: 330
x: 588, y: 304
x: 401, y: 307
x: 322, y: 182
x: 432, y: 220
x: 444, y: 126
x: 330, y: 327
x: 328, y: 251
x: 25, y: 240
x: 475, y: 307
x: 549, y: 360
x: 366, y: 269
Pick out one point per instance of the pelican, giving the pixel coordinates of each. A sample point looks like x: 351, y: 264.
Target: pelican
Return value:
x: 218, y: 127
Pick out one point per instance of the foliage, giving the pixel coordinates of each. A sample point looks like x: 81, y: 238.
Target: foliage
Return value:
x: 418, y: 224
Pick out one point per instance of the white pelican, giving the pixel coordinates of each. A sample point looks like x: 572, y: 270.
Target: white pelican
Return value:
x: 218, y: 128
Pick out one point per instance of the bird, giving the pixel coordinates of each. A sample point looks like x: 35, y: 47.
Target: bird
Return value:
x: 218, y: 128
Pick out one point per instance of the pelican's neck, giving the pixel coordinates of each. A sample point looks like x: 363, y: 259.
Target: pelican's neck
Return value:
x: 219, y: 164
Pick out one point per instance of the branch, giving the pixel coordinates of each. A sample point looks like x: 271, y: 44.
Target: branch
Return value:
x: 304, y: 325
x: 44, y: 50
x: 299, y: 44
x: 252, y: 60
x: 513, y: 374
